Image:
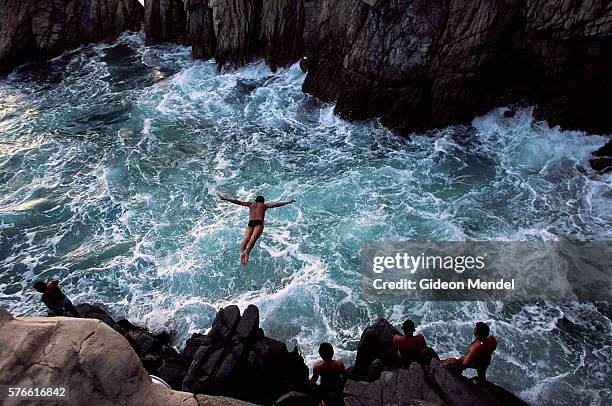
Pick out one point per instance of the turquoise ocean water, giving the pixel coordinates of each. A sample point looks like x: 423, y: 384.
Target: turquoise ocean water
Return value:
x: 111, y: 157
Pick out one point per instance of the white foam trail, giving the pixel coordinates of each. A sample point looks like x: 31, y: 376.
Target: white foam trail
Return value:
x: 118, y: 200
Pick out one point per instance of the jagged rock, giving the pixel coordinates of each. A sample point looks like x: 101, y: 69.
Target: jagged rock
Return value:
x: 375, y: 343
x: 91, y: 311
x: 200, y: 29
x: 35, y: 29
x: 605, y: 150
x: 420, y: 64
x: 154, y: 350
x: 93, y: 361
x: 237, y: 25
x: 165, y: 21
x: 425, y: 385
x: 282, y: 25
x: 603, y: 165
x: 235, y: 359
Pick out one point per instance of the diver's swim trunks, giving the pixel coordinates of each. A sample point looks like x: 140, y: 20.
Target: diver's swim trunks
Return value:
x: 255, y: 223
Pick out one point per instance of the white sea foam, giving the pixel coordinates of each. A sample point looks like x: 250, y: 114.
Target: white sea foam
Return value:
x: 109, y: 176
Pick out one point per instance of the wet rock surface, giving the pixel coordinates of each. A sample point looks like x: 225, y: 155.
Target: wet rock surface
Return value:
x: 421, y: 64
x: 236, y: 359
x: 425, y: 385
x: 602, y: 161
x: 33, y: 29
x: 233, y: 359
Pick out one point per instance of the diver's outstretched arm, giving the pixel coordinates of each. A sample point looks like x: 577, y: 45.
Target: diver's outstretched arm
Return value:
x: 279, y: 204
x: 235, y: 201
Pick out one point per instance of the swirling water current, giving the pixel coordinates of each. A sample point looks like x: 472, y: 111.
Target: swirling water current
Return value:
x: 111, y: 157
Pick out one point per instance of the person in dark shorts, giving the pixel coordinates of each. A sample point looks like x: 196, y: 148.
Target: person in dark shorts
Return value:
x: 332, y: 374
x: 479, y: 353
x: 54, y: 298
x: 409, y: 346
x: 257, y: 213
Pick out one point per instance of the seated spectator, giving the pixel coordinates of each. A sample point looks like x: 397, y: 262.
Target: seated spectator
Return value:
x: 409, y: 346
x: 478, y: 353
x: 332, y: 374
x: 54, y: 298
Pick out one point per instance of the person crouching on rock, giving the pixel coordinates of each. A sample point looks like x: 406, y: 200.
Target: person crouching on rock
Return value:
x: 479, y: 353
x: 55, y: 299
x: 333, y: 377
x: 409, y: 346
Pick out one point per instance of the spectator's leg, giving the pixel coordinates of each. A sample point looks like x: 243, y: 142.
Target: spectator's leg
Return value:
x: 69, y: 307
x: 482, y: 375
x: 72, y: 310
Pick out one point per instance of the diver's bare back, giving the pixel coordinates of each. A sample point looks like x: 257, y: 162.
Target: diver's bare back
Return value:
x: 257, y: 211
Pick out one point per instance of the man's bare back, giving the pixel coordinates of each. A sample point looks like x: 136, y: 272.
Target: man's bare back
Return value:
x: 257, y: 214
x: 257, y: 211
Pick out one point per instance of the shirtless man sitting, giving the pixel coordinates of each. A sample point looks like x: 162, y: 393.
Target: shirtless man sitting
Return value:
x: 332, y: 374
x: 409, y: 346
x: 257, y: 213
x: 478, y: 353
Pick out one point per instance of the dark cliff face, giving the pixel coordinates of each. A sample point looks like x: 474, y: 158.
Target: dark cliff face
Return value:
x: 165, y: 21
x: 416, y: 64
x: 420, y: 64
x: 35, y: 29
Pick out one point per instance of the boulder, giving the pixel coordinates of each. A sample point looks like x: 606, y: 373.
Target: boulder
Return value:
x: 375, y: 343
x: 93, y: 361
x: 154, y: 350
x: 36, y: 29
x: 235, y: 359
x: 425, y: 385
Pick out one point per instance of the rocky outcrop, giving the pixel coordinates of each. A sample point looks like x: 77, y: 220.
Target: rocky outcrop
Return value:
x: 416, y: 64
x: 35, y: 29
x: 154, y: 350
x: 603, y: 158
x: 375, y: 343
x: 86, y: 356
x: 420, y: 64
x: 377, y: 379
x: 425, y: 385
x: 282, y: 26
x: 234, y: 358
x: 423, y: 64
x: 165, y: 21
x: 200, y: 32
